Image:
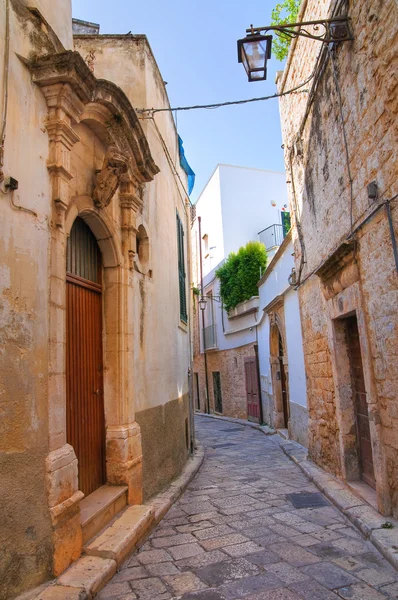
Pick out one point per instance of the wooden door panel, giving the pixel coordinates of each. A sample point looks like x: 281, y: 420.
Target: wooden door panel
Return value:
x: 252, y: 391
x: 360, y: 403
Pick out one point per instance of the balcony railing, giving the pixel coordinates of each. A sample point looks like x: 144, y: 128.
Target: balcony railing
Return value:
x: 272, y: 236
x: 210, y: 337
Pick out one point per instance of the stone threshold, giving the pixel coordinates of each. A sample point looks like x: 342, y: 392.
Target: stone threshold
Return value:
x: 103, y: 556
x: 266, y: 429
x: 346, y: 498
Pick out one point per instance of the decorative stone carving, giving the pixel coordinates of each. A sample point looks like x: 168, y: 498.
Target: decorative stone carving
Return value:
x: 108, y: 179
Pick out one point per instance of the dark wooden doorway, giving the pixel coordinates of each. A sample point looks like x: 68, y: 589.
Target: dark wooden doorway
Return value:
x: 360, y: 403
x: 283, y: 382
x: 252, y: 389
x: 85, y: 418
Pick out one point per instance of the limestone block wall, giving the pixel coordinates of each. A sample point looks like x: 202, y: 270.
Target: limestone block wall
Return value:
x: 230, y: 365
x: 357, y: 87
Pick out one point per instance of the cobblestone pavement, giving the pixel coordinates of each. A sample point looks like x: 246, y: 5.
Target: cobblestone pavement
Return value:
x: 235, y: 534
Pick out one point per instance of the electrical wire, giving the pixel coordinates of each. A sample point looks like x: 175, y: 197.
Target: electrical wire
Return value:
x: 230, y: 103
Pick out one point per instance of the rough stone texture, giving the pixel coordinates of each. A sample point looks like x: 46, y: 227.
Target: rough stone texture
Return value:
x: 281, y: 568
x: 165, y: 435
x: 298, y: 423
x: 230, y: 364
x: 366, y: 284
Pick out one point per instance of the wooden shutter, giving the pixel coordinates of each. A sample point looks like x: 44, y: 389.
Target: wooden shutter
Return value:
x: 181, y: 271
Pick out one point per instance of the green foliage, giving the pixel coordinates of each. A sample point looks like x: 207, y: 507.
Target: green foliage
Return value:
x: 284, y: 12
x: 240, y: 273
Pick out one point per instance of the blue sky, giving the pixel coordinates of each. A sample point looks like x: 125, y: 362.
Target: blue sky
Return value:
x: 194, y: 42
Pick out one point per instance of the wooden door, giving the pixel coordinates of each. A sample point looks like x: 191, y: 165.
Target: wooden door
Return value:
x: 283, y: 383
x: 84, y: 379
x: 360, y: 403
x: 252, y: 391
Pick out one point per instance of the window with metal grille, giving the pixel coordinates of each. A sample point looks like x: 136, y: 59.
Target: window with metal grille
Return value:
x: 217, y: 391
x: 181, y: 270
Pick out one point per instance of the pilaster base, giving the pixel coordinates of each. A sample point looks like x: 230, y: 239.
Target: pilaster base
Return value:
x: 64, y: 504
x: 124, y: 459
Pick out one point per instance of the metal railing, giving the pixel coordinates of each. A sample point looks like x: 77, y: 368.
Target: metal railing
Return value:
x: 271, y: 236
x: 210, y: 337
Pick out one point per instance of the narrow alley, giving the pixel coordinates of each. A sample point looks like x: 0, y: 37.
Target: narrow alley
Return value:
x: 235, y: 533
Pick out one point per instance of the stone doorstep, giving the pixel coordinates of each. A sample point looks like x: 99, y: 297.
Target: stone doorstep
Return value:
x: 121, y: 536
x: 106, y: 552
x: 361, y: 514
x: 100, y: 507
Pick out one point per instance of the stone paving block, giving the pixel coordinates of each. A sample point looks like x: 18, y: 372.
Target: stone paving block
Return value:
x: 352, y: 546
x: 184, y: 582
x: 294, y: 555
x: 130, y: 574
x: 194, y: 526
x: 210, y: 532
x: 349, y: 563
x: 329, y: 575
x: 225, y: 540
x: 201, y: 560
x: 376, y: 577
x: 286, y: 572
x: 263, y: 558
x: 151, y: 557
x: 173, y: 540
x: 149, y: 589
x: 312, y: 590
x: 216, y: 574
x: 360, y: 591
x: 185, y: 551
x: 204, y: 516
x: 61, y: 592
x: 204, y: 595
x: 278, y: 594
x: 114, y: 590
x: 326, y: 551
x: 306, y: 540
x: 160, y: 569
x: 242, y: 549
x: 391, y: 590
x: 250, y: 585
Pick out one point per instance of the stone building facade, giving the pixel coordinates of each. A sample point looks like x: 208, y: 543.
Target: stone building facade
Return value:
x: 340, y: 139
x: 93, y: 315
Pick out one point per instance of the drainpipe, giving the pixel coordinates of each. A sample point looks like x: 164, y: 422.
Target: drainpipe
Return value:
x: 259, y: 379
x: 190, y: 368
x: 207, y: 406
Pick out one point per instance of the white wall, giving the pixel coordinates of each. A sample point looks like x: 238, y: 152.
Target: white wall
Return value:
x: 235, y: 205
x: 247, y: 196
x: 297, y: 381
x: 275, y: 285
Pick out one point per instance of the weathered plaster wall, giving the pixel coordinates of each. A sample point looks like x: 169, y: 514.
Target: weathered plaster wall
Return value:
x: 366, y: 71
x: 25, y: 533
x: 165, y: 443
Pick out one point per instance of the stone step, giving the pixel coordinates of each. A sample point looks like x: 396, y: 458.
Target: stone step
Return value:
x: 120, y: 537
x: 100, y: 507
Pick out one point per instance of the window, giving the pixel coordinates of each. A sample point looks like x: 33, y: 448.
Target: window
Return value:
x: 217, y: 392
x: 181, y: 271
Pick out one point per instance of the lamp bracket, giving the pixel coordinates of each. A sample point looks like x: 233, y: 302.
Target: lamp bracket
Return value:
x: 336, y: 29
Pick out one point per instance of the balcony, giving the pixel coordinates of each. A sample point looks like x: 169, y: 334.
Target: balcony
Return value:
x: 210, y: 337
x: 272, y: 237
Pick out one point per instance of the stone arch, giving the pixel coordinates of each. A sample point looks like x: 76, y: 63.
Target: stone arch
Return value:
x: 279, y: 368
x: 101, y: 226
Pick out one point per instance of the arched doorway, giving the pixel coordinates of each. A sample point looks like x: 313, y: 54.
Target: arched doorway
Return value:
x: 84, y: 361
x: 279, y: 373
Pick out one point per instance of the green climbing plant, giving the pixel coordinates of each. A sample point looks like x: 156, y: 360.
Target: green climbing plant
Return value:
x: 284, y: 12
x: 240, y: 273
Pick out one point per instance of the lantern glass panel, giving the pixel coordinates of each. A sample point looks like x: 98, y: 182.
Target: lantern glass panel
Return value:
x: 255, y: 54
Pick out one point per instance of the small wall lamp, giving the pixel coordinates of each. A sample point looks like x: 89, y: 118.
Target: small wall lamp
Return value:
x: 255, y: 49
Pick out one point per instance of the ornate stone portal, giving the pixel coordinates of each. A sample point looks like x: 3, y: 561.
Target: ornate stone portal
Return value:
x: 74, y: 96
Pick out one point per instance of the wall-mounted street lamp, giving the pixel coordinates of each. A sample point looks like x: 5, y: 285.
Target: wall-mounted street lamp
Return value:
x: 204, y: 299
x: 255, y: 49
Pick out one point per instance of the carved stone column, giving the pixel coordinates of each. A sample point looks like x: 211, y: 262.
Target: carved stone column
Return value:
x: 64, y: 497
